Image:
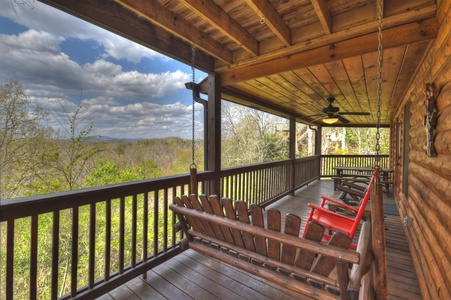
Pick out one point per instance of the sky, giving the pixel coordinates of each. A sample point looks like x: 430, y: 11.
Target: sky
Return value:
x: 125, y: 90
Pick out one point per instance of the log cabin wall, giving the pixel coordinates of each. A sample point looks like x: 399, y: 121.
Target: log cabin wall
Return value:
x: 428, y: 200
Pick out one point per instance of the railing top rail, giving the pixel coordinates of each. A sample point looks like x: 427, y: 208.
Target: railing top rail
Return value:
x: 32, y: 205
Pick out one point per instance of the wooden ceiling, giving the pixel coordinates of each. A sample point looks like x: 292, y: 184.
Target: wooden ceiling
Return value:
x: 283, y: 56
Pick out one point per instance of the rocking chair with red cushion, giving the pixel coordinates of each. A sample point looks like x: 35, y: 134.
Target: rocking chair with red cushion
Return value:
x: 337, y: 222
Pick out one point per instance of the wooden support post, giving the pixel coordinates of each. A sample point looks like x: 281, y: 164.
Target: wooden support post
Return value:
x: 214, y: 131
x: 378, y: 240
x: 292, y: 154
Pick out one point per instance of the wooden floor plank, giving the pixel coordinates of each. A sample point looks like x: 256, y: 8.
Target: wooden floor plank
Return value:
x: 181, y: 264
x: 191, y: 275
x: 143, y: 290
x: 164, y: 287
x: 248, y: 285
x: 187, y: 286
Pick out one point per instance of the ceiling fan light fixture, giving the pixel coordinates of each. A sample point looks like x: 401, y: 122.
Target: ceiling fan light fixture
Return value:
x: 330, y: 120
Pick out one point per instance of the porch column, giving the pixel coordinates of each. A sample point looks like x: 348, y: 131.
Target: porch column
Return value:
x: 292, y: 155
x: 318, y: 139
x: 213, y: 147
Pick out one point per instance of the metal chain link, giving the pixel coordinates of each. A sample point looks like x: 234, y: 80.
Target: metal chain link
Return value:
x: 379, y: 82
x: 193, y: 59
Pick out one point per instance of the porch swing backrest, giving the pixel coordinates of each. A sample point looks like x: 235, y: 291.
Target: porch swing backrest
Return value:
x: 227, y: 231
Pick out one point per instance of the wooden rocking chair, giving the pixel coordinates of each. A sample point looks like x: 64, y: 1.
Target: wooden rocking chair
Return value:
x: 335, y: 222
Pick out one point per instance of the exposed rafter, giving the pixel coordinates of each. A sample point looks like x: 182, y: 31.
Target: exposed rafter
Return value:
x: 156, y: 13
x: 397, y: 36
x: 323, y: 13
x: 218, y: 18
x: 271, y: 18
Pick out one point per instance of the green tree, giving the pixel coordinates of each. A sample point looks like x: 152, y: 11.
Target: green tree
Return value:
x: 250, y: 136
x: 70, y: 154
x: 21, y: 139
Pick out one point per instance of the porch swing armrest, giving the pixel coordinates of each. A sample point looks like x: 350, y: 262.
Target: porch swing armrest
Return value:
x: 339, y: 203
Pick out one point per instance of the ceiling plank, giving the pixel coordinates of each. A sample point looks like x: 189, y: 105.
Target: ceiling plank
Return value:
x: 218, y: 18
x: 156, y: 13
x: 323, y: 14
x: 113, y: 17
x: 392, y: 37
x: 271, y: 18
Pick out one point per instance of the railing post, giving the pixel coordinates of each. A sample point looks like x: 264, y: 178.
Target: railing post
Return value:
x: 378, y: 240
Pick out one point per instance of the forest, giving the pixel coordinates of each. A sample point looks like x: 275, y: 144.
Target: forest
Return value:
x: 37, y: 159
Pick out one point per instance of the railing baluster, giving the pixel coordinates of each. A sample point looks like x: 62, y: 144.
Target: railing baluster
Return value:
x: 10, y: 260
x: 55, y: 254
x: 34, y: 257
x: 74, y: 252
x: 92, y: 244
x: 107, y: 240
x: 155, y: 222
x: 134, y: 228
x: 145, y: 227
x: 145, y: 230
x: 121, y: 234
x: 165, y: 212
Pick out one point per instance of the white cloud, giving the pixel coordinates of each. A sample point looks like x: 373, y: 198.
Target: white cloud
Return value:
x: 43, y: 17
x: 34, y: 58
x: 54, y: 81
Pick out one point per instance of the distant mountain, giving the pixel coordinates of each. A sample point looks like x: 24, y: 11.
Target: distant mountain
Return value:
x: 111, y: 139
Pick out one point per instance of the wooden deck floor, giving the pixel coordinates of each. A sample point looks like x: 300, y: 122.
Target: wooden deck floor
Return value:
x: 191, y: 275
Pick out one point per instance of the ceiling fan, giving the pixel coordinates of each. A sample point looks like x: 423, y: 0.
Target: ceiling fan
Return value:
x: 332, y: 114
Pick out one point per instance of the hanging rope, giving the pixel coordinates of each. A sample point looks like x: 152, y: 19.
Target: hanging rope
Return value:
x: 379, y: 83
x: 193, y: 167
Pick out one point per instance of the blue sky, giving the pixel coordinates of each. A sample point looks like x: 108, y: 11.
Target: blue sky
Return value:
x: 126, y: 90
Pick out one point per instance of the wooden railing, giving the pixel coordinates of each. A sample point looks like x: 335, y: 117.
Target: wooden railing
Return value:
x: 87, y: 242
x: 84, y: 243
x: 265, y: 183
x: 366, y: 161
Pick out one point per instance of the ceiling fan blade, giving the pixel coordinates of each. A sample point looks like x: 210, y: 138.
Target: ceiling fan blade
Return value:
x: 355, y: 113
x: 342, y: 119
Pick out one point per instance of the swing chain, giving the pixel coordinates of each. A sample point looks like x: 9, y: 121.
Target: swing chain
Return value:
x: 193, y: 58
x: 379, y: 82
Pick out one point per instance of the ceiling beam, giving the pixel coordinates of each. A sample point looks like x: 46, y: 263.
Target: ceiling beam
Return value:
x: 308, y: 43
x: 159, y: 15
x: 271, y: 18
x: 219, y: 19
x: 392, y: 37
x: 323, y: 13
x: 113, y: 17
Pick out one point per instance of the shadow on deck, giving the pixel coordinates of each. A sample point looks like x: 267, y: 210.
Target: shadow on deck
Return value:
x: 191, y: 275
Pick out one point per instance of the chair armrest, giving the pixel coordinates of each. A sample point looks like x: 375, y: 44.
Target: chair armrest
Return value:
x: 319, y: 208
x: 325, y: 211
x: 339, y: 203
